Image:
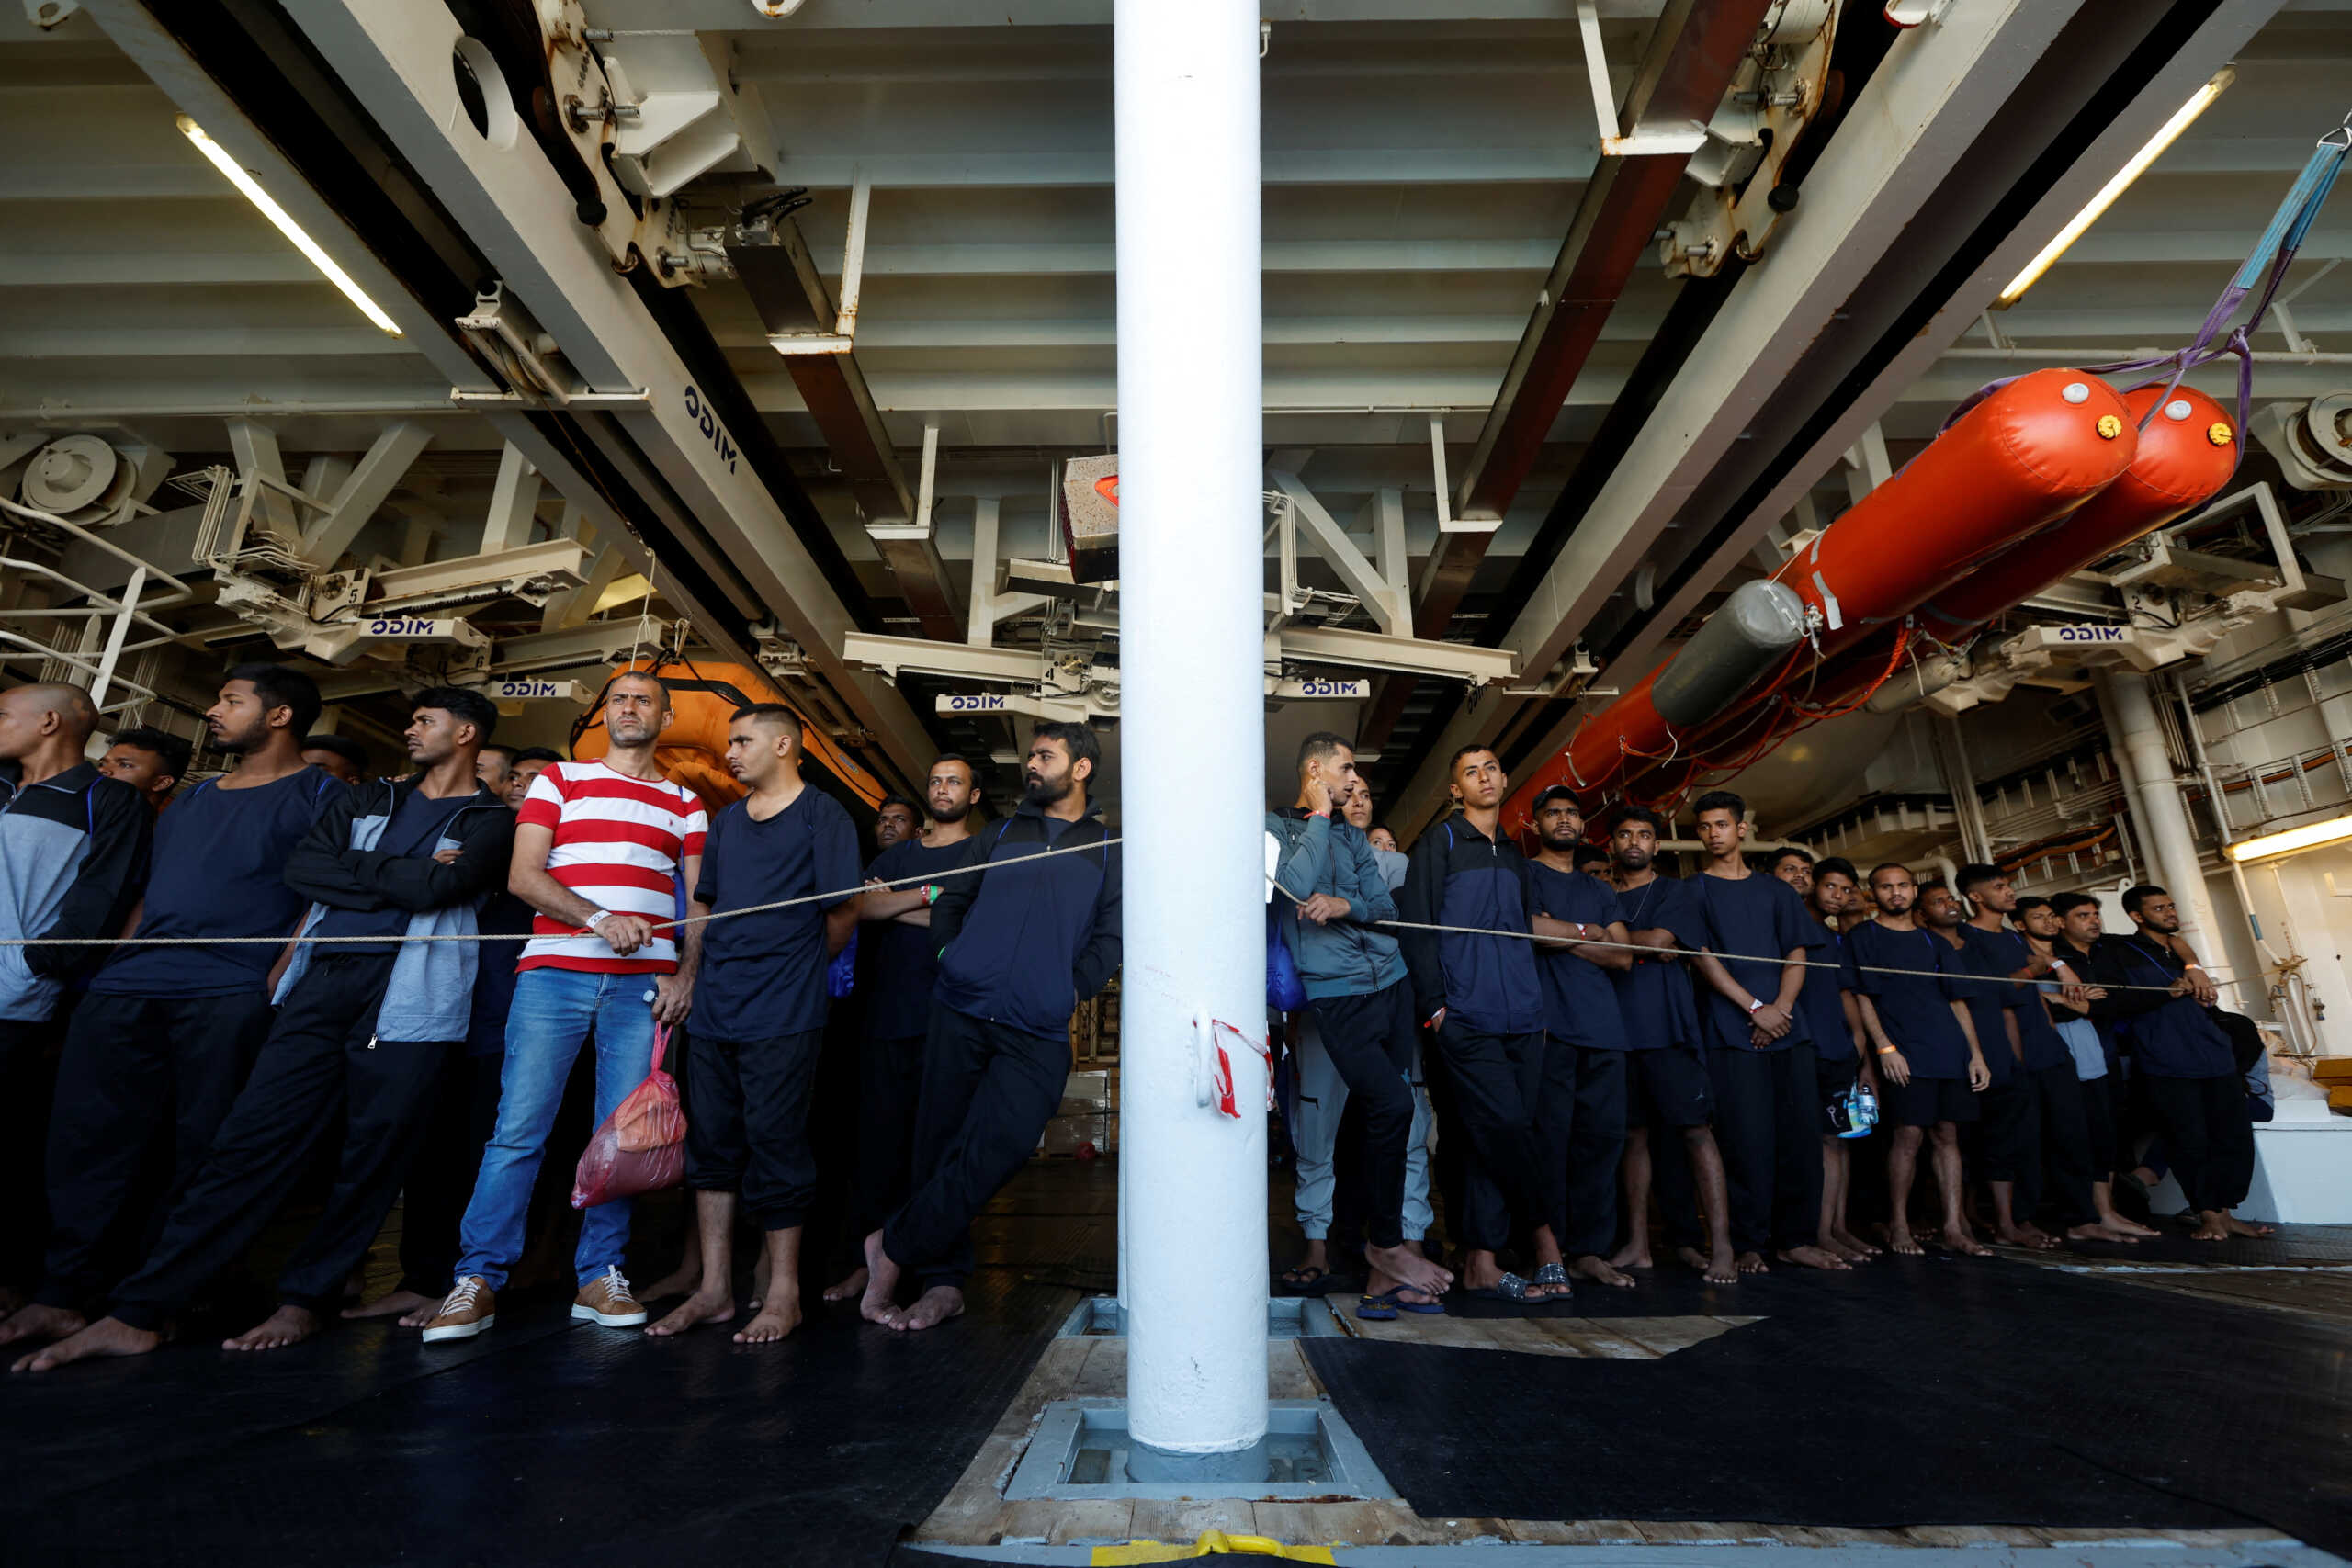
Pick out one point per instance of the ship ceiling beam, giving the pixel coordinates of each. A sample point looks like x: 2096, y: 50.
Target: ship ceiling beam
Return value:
x: 1937, y: 91
x: 513, y: 206
x: 1693, y: 55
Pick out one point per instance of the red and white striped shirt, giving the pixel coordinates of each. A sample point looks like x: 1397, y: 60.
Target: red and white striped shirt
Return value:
x: 621, y: 843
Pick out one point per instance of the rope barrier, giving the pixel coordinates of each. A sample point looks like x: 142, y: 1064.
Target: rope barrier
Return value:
x: 1639, y: 948
x: 894, y: 883
x: 836, y: 894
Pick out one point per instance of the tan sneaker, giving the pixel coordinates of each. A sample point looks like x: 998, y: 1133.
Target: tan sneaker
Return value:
x: 606, y: 1300
x: 469, y: 1309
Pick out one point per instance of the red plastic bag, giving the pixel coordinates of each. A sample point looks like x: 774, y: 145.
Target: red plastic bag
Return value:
x: 641, y: 1147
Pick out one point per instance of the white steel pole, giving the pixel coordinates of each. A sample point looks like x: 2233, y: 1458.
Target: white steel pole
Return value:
x: 121, y: 629
x: 1192, y: 732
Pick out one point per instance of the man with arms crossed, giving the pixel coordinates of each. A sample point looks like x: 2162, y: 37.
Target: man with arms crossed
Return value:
x: 903, y: 965
x: 1332, y: 894
x: 1759, y: 1056
x: 364, y: 1025
x: 759, y: 1015
x: 1667, y: 1075
x: 1582, y: 1118
x: 599, y: 850
x: 1020, y: 944
x: 1928, y: 1058
x: 165, y: 1033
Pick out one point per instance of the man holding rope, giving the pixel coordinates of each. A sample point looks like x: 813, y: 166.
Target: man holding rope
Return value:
x: 600, y: 850
x: 364, y: 1018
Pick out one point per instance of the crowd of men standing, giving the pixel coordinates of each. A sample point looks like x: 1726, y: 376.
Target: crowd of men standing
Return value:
x: 1590, y: 1038
x: 288, y: 979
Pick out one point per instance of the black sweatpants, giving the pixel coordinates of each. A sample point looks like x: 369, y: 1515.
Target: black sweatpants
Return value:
x: 1370, y: 1040
x: 1582, y: 1123
x: 28, y: 1086
x: 2208, y: 1135
x: 131, y: 1066
x: 987, y: 1091
x: 748, y: 1134
x: 458, y: 1120
x: 889, y: 1093
x: 2012, y: 1134
x: 322, y: 1052
x: 2098, y: 1119
x: 2064, y: 1173
x: 1767, y: 1124
x: 1498, y: 1089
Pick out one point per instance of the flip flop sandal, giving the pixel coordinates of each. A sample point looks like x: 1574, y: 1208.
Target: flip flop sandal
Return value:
x: 1556, y: 1275
x: 1380, y: 1308
x: 1509, y: 1288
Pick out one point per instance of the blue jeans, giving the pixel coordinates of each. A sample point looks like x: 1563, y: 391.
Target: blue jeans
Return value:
x: 553, y: 1013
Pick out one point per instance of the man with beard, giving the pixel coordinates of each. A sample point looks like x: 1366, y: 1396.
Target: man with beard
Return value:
x: 2182, y: 1061
x: 1834, y: 1018
x: 2008, y: 1125
x: 1582, y: 1118
x: 1759, y: 1051
x: 1916, y: 1017
x: 1667, y: 1075
x: 165, y: 1033
x: 1361, y: 1048
x: 895, y: 822
x: 1020, y: 944
x: 902, y: 964
x: 600, y: 849
x: 1793, y: 866
x: 362, y: 1030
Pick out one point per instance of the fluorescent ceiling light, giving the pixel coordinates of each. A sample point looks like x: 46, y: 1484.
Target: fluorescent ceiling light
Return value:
x: 245, y: 183
x: 2181, y: 121
x: 2309, y: 836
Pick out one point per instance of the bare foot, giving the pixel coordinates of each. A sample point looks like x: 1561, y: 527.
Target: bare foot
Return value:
x: 1812, y: 1258
x: 2026, y: 1235
x: 2123, y: 1227
x: 1753, y: 1263
x: 1635, y: 1253
x: 1829, y: 1243
x: 2100, y: 1233
x: 2211, y: 1225
x: 1962, y: 1241
x: 108, y: 1336
x: 779, y: 1317
x: 700, y: 1307
x: 403, y: 1304
x: 1900, y: 1239
x: 879, y: 1304
x: 1600, y: 1271
x: 1715, y: 1267
x: 683, y: 1281
x: 933, y: 1307
x: 38, y: 1321
x: 290, y: 1325
x: 1409, y: 1267
x: 849, y: 1285
x: 1852, y: 1245
x: 2247, y: 1227
x: 759, y: 1282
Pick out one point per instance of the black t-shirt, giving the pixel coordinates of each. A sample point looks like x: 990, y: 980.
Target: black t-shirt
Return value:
x: 901, y: 962
x: 415, y: 828
x: 763, y: 976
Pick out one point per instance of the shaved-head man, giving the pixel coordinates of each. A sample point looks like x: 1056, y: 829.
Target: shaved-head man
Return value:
x: 71, y: 846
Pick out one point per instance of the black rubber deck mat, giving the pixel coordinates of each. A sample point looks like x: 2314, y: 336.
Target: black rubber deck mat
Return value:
x: 1908, y: 1393
x: 2304, y: 1247
x: 533, y: 1445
